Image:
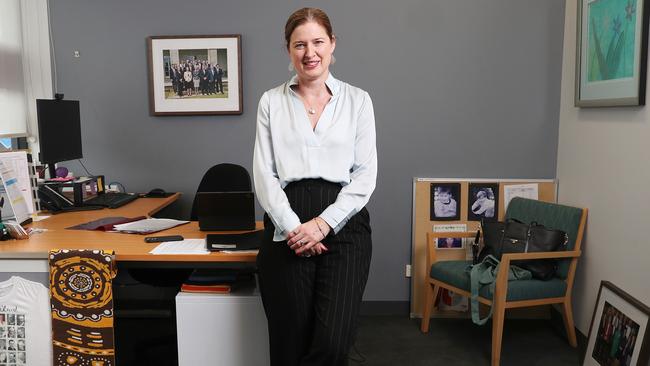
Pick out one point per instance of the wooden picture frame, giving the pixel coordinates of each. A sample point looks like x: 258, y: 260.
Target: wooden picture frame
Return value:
x: 611, y: 53
x: 195, y: 75
x: 619, y: 330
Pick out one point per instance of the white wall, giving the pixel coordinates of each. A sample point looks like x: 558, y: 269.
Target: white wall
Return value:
x: 604, y: 165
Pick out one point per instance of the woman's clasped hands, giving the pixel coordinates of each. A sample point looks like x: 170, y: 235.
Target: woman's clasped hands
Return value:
x: 306, y: 239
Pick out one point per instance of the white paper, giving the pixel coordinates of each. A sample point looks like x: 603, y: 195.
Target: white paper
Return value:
x: 15, y: 203
x: 17, y: 162
x: 187, y: 246
x: 37, y: 218
x: 449, y: 228
x: 148, y: 225
x: 520, y: 190
x: 252, y: 251
x: 452, y: 301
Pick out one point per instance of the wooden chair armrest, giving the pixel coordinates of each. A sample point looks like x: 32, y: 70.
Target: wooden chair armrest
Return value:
x: 541, y: 255
x: 431, y: 252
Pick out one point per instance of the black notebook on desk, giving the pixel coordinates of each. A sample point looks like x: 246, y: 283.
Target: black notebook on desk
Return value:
x: 245, y: 241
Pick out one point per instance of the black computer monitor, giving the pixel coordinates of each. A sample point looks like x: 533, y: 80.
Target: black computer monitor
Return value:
x: 59, y: 130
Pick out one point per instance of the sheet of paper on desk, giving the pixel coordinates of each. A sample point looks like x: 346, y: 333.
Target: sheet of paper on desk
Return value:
x: 147, y: 226
x: 37, y: 218
x: 187, y: 246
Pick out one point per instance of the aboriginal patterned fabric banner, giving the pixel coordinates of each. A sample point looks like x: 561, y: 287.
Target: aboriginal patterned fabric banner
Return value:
x: 82, y: 307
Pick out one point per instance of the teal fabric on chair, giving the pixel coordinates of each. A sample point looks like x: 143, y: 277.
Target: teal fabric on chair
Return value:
x: 454, y: 273
x: 551, y: 215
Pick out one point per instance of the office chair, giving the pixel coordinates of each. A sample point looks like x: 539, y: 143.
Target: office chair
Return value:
x: 165, y: 283
x: 223, y: 177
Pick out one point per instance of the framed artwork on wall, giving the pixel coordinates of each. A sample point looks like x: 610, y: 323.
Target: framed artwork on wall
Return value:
x: 618, y: 334
x: 195, y: 75
x: 611, y: 53
x: 483, y: 202
x: 445, y: 201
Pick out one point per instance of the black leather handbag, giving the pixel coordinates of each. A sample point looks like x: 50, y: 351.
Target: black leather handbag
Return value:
x: 513, y: 236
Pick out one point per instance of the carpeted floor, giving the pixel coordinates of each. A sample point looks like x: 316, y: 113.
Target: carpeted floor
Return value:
x: 390, y: 340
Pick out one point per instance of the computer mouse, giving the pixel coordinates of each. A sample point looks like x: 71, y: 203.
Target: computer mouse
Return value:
x: 157, y: 192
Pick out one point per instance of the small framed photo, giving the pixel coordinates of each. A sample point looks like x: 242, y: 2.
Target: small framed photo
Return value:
x: 618, y: 334
x: 449, y: 243
x: 483, y: 202
x: 445, y: 201
x: 612, y: 53
x: 195, y: 75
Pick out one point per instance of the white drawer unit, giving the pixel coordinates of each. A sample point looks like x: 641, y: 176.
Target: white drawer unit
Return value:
x: 222, y: 329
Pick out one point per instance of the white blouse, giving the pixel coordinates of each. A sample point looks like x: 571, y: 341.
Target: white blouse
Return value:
x: 341, y: 149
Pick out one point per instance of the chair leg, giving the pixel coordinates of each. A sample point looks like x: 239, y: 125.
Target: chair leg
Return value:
x: 498, y: 316
x: 429, y: 301
x: 567, y: 316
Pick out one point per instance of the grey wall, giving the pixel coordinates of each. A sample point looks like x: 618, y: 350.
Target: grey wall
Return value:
x: 612, y: 189
x: 461, y: 89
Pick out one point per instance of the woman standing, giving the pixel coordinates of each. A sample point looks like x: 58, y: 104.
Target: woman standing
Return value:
x: 196, y: 78
x: 315, y: 167
x: 187, y: 77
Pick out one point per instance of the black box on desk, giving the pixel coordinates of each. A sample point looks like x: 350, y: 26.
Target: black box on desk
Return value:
x: 82, y: 189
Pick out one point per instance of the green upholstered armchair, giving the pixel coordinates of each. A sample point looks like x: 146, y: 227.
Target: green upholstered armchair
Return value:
x: 451, y: 275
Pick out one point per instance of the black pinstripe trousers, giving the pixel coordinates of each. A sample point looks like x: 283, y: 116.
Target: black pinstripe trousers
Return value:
x: 312, y: 303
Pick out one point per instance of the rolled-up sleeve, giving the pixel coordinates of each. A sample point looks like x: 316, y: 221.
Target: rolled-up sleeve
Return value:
x: 363, y: 176
x: 268, y: 189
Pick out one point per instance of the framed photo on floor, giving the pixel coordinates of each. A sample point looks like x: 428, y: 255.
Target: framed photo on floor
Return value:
x: 611, y: 53
x: 195, y: 75
x: 618, y: 334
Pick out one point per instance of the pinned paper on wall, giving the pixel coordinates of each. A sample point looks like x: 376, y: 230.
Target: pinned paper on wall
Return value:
x: 530, y: 191
x: 449, y: 228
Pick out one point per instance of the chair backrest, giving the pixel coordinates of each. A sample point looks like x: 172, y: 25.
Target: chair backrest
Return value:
x: 554, y: 216
x: 223, y: 177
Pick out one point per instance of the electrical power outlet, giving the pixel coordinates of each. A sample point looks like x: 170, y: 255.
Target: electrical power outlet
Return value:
x: 408, y: 270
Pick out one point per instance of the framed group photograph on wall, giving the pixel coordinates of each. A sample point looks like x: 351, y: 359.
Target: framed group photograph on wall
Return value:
x: 195, y: 75
x: 445, y: 201
x: 618, y: 334
x: 483, y: 202
x: 611, y: 53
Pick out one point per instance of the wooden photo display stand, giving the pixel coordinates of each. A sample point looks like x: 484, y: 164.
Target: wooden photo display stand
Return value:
x: 425, y: 219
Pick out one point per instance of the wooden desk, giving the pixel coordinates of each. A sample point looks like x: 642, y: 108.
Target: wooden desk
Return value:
x: 127, y: 247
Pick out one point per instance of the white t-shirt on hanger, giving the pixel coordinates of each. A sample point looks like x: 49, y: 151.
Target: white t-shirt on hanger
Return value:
x: 25, y: 322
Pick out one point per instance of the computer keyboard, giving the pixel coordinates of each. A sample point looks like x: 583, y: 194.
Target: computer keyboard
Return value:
x: 112, y: 199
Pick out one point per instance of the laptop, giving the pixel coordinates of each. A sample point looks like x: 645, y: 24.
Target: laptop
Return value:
x: 222, y: 211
